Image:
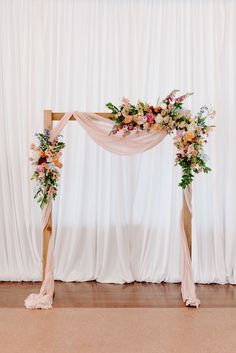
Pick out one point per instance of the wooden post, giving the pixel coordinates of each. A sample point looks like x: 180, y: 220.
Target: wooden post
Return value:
x: 48, y: 229
x: 187, y: 224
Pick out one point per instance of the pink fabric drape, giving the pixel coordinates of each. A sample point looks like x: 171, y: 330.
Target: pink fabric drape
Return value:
x: 98, y: 128
x: 44, y: 299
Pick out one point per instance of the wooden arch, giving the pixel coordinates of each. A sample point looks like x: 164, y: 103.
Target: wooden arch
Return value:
x: 49, y: 117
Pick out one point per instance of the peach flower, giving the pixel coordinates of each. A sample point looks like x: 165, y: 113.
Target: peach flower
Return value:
x: 127, y: 119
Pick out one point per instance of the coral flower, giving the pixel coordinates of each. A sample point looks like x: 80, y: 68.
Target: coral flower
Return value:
x: 128, y: 119
x: 57, y: 163
x: 157, y: 127
x: 189, y: 136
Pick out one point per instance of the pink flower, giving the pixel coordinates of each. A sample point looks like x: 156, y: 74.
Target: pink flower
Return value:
x: 179, y: 133
x: 39, y: 168
x: 150, y: 118
x: 199, y: 130
x: 182, y: 98
x: 186, y: 112
x: 166, y: 119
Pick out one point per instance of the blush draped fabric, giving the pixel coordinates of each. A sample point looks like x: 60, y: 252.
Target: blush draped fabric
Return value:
x: 98, y: 128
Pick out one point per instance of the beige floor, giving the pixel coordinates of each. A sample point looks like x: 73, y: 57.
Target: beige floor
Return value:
x: 106, y: 330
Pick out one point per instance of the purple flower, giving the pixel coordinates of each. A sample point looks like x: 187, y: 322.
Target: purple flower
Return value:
x: 179, y: 133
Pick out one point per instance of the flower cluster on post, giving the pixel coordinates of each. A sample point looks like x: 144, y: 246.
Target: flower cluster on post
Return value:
x: 169, y: 115
x: 46, y: 161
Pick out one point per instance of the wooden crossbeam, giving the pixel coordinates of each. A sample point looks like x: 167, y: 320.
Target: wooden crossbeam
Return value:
x: 58, y: 116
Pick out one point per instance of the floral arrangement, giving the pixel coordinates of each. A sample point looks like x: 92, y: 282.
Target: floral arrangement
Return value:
x: 169, y: 115
x: 46, y: 160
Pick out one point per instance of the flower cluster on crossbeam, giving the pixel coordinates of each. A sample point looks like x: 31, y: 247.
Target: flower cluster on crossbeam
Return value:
x: 169, y: 114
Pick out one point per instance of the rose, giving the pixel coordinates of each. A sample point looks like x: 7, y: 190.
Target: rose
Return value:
x: 163, y: 112
x: 39, y: 168
x: 150, y: 117
x: 192, y: 127
x: 166, y: 119
x: 127, y: 119
x: 157, y: 127
x: 189, y: 136
x: 186, y: 112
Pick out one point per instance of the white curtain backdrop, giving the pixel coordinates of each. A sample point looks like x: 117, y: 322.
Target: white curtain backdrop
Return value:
x: 116, y: 219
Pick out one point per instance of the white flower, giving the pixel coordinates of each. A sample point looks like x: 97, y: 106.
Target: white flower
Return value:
x: 36, y: 155
x: 182, y: 124
x: 125, y: 111
x: 163, y: 105
x: 125, y: 101
x: 159, y: 119
x: 192, y: 127
x: 141, y: 120
x: 204, y: 157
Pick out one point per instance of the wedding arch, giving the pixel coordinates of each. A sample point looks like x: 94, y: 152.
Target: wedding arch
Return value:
x: 101, y: 128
